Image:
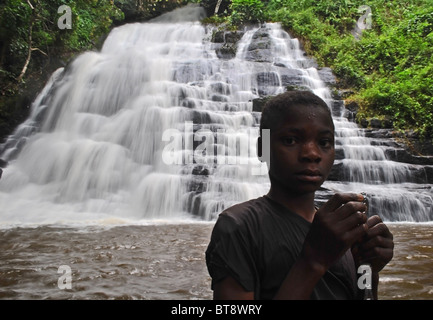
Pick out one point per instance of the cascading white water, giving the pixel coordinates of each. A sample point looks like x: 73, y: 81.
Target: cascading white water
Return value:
x: 396, y: 191
x: 156, y: 126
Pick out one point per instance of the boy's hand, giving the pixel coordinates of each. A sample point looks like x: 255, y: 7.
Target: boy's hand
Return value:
x: 376, y: 247
x: 337, y: 225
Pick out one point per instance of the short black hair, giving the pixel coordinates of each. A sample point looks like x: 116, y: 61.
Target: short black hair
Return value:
x: 276, y: 108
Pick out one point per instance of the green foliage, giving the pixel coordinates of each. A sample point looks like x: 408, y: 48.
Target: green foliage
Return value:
x: 32, y: 25
x: 32, y: 45
x: 141, y: 10
x: 399, y: 70
x: 389, y: 66
x: 91, y: 19
x: 246, y: 11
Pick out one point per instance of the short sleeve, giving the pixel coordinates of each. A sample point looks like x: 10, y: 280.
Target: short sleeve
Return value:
x: 230, y: 253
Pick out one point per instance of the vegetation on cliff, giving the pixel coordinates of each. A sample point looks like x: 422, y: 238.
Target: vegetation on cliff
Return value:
x: 385, y: 66
x: 38, y: 36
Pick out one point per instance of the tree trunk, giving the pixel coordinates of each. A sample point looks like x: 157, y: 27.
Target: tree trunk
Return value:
x: 217, y: 7
x: 29, y: 51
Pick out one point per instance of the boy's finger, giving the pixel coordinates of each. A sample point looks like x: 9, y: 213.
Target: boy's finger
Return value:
x: 377, y: 242
x: 356, y: 233
x: 353, y: 219
x: 373, y: 220
x: 378, y: 229
x: 378, y: 255
x: 351, y: 208
x: 339, y: 199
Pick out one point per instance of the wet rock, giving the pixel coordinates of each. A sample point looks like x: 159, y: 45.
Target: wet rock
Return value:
x: 219, y: 98
x: 201, y: 170
x: 259, y: 49
x: 363, y: 123
x: 260, y: 45
x: 336, y: 173
x: 220, y: 88
x: 267, y: 79
x: 259, y: 55
x: 375, y: 123
x: 378, y: 133
x: 352, y: 106
x: 339, y: 154
x: 345, y: 93
x: 226, y: 43
x: 3, y: 163
x: 338, y: 109
x: 226, y: 51
x: 218, y: 37
x: 200, y: 117
x: 233, y: 36
x: 402, y: 155
x: 188, y: 72
x: 327, y: 76
x: 259, y: 103
x: 222, y: 36
x: 291, y: 77
x: 429, y: 174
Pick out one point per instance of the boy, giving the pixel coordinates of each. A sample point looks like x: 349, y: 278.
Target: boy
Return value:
x: 280, y: 246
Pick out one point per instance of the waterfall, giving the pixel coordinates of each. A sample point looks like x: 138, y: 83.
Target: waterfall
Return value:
x: 157, y: 126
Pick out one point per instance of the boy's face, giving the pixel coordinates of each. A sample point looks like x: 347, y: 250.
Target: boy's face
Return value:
x: 302, y: 150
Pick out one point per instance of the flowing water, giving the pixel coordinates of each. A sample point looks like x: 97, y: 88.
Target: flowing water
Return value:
x: 130, y: 153
x: 161, y: 262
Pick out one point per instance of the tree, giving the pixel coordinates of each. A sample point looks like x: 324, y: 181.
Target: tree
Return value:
x: 27, y: 26
x: 33, y: 17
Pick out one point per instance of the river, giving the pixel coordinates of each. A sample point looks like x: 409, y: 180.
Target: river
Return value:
x: 113, y: 182
x: 164, y: 261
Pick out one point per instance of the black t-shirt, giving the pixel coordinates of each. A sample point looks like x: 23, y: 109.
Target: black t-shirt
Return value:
x: 258, y: 241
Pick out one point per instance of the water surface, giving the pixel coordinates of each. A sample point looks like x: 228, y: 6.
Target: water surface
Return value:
x: 162, y: 262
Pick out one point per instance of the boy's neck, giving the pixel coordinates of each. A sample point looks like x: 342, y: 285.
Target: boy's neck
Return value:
x: 301, y: 204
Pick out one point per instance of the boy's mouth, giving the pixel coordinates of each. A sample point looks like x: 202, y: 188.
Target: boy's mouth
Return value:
x: 309, y: 175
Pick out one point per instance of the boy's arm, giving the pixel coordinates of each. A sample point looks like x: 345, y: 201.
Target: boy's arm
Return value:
x: 230, y: 289
x: 300, y: 281
x: 299, y: 285
x: 336, y: 226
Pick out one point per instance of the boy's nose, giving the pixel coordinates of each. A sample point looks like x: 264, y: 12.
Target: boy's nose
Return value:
x: 310, y: 152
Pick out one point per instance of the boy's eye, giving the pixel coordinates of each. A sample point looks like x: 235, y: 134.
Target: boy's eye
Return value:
x: 289, y: 140
x: 326, y: 143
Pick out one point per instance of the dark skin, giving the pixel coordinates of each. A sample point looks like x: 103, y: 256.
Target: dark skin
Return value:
x: 302, y: 155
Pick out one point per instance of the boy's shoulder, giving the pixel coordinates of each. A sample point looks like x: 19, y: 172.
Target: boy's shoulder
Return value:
x: 246, y: 208
x: 242, y: 220
x: 248, y: 215
x: 258, y: 213
x: 242, y: 213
